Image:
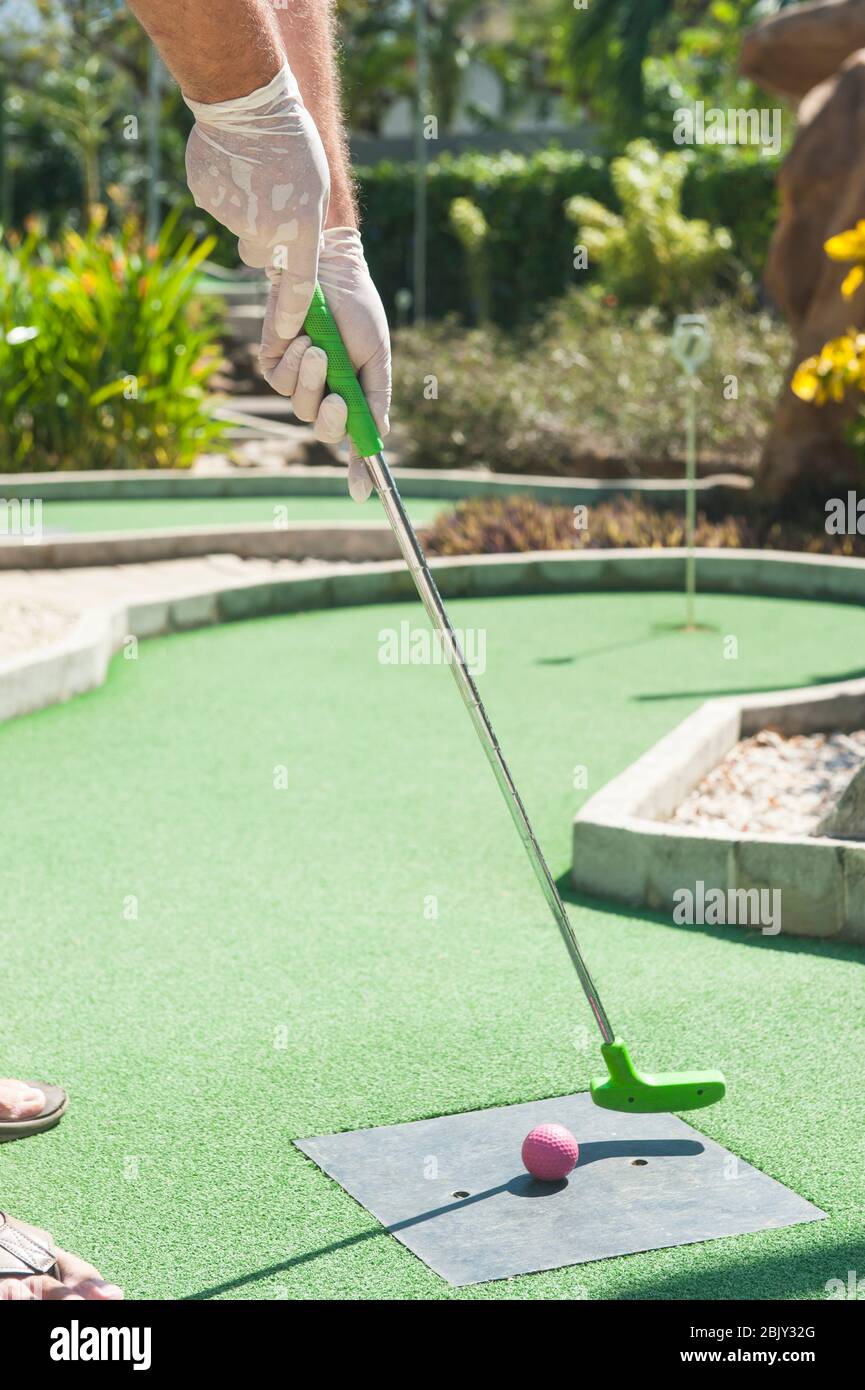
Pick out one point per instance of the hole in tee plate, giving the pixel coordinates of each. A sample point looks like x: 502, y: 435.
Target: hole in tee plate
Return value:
x: 460, y: 1193
x: 639, y: 1162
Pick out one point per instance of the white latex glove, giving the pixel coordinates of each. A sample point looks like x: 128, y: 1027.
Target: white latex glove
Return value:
x: 258, y: 166
x: 295, y: 368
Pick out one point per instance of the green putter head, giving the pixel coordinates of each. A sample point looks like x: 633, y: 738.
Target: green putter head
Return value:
x: 626, y: 1089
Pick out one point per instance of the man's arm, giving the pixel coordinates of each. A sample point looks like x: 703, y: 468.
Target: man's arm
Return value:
x: 215, y: 49
x: 221, y: 49
x: 308, y: 32
x: 267, y: 157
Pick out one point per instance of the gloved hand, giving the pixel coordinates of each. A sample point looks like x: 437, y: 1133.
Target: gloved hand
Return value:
x: 258, y: 166
x: 295, y: 368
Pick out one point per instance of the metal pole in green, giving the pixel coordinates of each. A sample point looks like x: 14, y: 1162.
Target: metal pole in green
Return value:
x: 690, y: 500
x: 420, y: 162
x: 689, y: 346
x: 154, y: 98
x: 5, y: 164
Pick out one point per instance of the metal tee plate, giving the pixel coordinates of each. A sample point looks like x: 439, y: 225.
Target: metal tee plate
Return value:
x: 453, y: 1189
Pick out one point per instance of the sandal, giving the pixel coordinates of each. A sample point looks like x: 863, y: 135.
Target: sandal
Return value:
x: 25, y: 1250
x: 56, y: 1101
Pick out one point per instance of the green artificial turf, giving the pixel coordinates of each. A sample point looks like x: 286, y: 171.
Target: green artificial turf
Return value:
x: 156, y: 513
x: 337, y: 927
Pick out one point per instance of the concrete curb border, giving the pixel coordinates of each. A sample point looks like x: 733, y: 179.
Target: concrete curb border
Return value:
x: 357, y: 540
x: 300, y: 481
x: 49, y: 674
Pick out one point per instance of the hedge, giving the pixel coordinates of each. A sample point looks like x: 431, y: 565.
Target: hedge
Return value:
x: 521, y: 197
x: 737, y: 190
x: 531, y: 242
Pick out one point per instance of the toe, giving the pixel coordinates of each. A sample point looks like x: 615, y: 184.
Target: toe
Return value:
x: 18, y: 1101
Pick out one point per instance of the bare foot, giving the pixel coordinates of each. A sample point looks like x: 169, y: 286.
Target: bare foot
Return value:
x: 75, y: 1279
x: 18, y: 1101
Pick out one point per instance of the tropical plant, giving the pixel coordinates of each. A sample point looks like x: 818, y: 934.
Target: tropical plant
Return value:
x: 376, y: 59
x: 650, y: 254
x: 630, y: 62
x: 78, y: 109
x: 75, y: 72
x: 454, y: 39
x: 105, y: 350
x: 697, y: 59
x: 379, y: 56
x: 605, y: 44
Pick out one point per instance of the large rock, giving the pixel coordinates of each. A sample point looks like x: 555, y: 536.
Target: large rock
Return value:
x: 822, y: 192
x: 847, y: 819
x: 792, y: 51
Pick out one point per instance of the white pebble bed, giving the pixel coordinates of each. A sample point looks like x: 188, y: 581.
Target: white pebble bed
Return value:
x: 771, y: 784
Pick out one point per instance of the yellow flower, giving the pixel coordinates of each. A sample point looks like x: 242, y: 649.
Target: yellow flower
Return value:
x: 840, y: 363
x: 847, y: 246
x: 852, y: 280
x: 806, y: 383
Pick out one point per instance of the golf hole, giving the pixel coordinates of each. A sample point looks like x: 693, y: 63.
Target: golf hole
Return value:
x: 460, y: 1193
x: 639, y: 1162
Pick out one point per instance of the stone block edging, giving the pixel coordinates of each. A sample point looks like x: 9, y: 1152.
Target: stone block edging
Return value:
x: 625, y: 848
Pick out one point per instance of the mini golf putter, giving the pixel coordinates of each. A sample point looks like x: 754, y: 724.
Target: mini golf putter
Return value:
x: 624, y: 1089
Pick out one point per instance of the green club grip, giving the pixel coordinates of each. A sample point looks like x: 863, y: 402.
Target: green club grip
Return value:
x: 320, y: 327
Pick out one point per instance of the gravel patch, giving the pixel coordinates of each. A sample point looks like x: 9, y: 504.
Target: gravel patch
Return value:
x: 770, y: 784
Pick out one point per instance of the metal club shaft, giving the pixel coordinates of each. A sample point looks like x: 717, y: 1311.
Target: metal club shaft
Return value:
x: 432, y: 602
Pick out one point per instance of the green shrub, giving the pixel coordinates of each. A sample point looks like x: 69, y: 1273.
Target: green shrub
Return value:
x: 490, y: 409
x: 589, y: 384
x: 105, y: 352
x: 650, y: 253
x: 734, y: 187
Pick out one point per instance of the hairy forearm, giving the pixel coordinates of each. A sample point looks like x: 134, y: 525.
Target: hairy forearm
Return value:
x: 308, y: 32
x: 216, y: 49
x: 221, y: 49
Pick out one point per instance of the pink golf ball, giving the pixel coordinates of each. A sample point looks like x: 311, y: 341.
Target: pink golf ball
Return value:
x: 550, y: 1152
